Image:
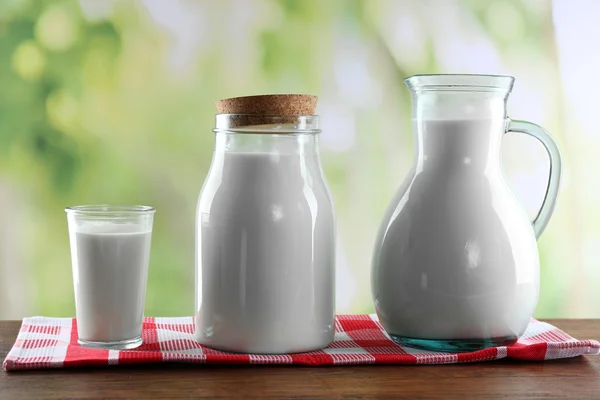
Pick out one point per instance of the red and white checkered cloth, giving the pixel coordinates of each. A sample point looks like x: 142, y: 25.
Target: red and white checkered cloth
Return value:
x: 359, y: 339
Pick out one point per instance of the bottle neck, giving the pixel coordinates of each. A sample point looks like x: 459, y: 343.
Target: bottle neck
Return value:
x: 301, y: 144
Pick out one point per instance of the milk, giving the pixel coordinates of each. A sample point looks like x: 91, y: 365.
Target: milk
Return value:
x: 110, y: 266
x: 456, y: 257
x: 265, y: 261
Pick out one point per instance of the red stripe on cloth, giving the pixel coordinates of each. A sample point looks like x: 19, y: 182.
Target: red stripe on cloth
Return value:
x: 436, y: 358
x: 150, y: 340
x: 35, y: 343
x: 383, y: 357
x: 185, y: 328
x: 175, y: 345
x: 480, y: 355
x: 358, y: 323
x: 343, y: 344
x: 312, y: 358
x: 553, y: 335
x: 219, y: 357
x: 270, y: 359
x: 46, y: 329
x: 532, y: 352
x: 81, y: 356
x: 36, y: 363
x: 354, y: 317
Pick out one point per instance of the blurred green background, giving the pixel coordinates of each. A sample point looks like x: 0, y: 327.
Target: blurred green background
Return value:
x: 113, y: 101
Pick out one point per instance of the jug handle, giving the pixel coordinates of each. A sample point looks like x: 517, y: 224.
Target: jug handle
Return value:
x: 543, y: 216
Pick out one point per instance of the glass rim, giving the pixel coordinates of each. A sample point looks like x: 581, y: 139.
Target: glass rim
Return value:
x: 267, y: 124
x: 110, y: 209
x: 461, y: 82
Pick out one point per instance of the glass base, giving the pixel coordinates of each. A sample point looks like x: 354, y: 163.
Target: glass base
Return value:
x: 116, y: 345
x: 454, y: 345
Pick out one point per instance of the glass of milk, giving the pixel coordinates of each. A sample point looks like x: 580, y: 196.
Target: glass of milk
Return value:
x: 110, y: 250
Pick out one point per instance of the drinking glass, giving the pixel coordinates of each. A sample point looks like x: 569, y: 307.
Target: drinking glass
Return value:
x: 110, y: 251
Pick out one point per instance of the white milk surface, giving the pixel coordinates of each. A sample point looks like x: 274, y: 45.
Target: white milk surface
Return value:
x: 111, y: 267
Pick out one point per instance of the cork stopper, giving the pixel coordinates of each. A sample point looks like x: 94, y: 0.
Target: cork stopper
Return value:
x: 269, y: 104
x: 255, y: 110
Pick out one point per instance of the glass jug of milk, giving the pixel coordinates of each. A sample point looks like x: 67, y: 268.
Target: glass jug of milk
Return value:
x: 265, y: 240
x: 455, y: 264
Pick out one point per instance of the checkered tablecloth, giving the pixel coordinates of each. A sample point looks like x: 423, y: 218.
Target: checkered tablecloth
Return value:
x: 359, y: 339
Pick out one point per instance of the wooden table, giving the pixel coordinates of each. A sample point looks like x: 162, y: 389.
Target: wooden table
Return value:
x: 576, y: 378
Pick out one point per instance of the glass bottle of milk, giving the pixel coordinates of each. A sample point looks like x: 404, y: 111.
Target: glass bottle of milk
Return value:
x: 265, y: 239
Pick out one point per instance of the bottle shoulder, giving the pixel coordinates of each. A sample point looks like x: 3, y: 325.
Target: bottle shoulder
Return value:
x: 261, y: 183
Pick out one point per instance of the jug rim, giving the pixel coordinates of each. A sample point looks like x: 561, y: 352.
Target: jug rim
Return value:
x: 460, y: 82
